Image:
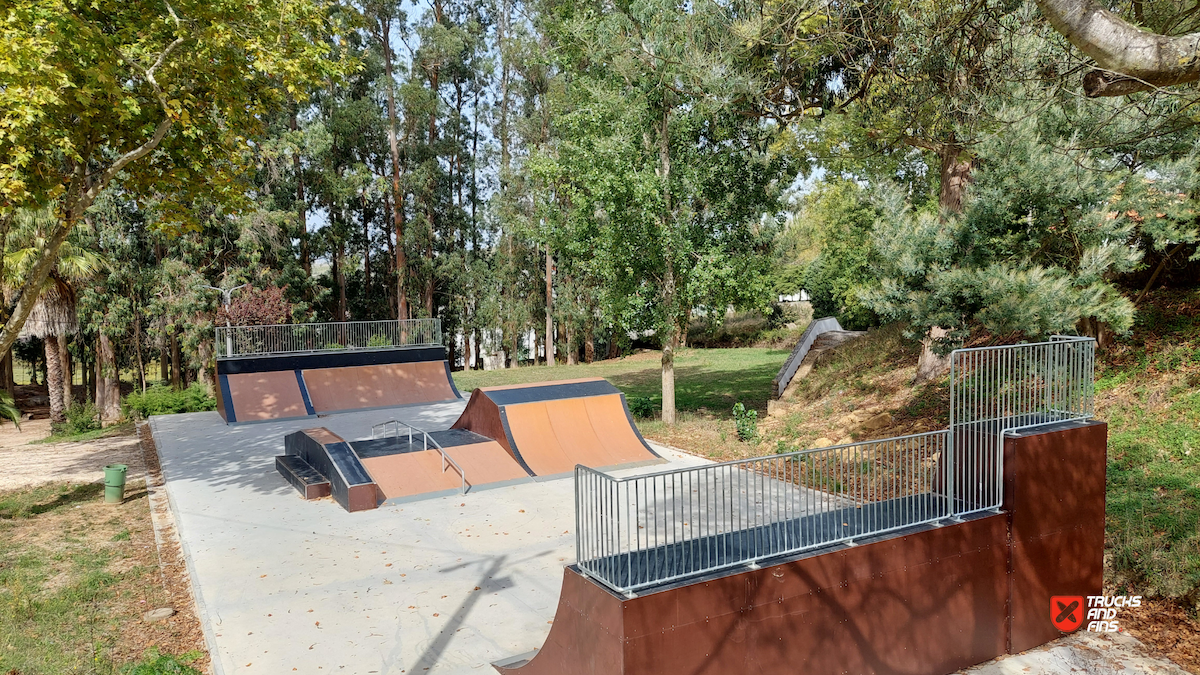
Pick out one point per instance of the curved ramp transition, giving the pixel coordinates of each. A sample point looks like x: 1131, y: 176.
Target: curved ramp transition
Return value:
x: 550, y: 427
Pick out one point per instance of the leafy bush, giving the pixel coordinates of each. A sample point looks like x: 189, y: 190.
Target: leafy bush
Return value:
x: 161, y: 400
x: 8, y: 409
x: 155, y: 663
x: 747, y: 422
x: 380, y: 340
x: 642, y: 406
x: 81, y: 418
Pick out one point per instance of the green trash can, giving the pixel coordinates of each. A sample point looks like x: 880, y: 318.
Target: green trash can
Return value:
x: 114, y: 483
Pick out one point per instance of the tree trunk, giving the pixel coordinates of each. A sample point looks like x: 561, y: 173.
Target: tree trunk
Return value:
x: 65, y: 357
x: 89, y: 374
x: 931, y: 366
x: 164, y: 359
x: 614, y: 345
x: 956, y: 166
x: 366, y: 225
x: 478, y: 349
x: 54, y: 379
x: 137, y: 348
x: 589, y: 337
x: 10, y: 384
x: 176, y: 375
x: 203, y: 374
x: 385, y: 40
x: 549, y: 306
x: 108, y: 393
x: 570, y: 336
x: 339, y: 276
x: 669, y: 291
x: 98, y: 377
x: 301, y: 212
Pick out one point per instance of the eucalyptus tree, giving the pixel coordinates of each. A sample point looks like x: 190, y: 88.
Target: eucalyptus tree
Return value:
x: 664, y: 171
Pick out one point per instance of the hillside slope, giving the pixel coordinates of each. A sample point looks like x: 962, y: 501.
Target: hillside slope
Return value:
x: 1147, y: 392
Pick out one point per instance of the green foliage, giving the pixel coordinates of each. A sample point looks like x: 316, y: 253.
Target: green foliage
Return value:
x: 746, y: 421
x: 379, y: 341
x: 9, y: 410
x: 89, y: 83
x: 81, y: 418
x: 841, y: 221
x: 1033, y: 252
x: 155, y: 663
x: 642, y: 407
x: 162, y: 400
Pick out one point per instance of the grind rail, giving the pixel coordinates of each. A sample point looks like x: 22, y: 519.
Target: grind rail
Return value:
x: 649, y: 530
x: 308, y: 338
x: 427, y: 442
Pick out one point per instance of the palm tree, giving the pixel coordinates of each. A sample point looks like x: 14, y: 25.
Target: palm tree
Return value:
x: 53, y: 319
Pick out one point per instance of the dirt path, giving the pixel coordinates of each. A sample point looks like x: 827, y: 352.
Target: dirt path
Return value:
x: 26, y: 465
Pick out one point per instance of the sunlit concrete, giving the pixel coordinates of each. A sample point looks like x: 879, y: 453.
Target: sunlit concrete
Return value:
x: 445, y: 585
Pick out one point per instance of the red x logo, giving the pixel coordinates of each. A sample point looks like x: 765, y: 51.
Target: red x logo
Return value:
x: 1066, y: 612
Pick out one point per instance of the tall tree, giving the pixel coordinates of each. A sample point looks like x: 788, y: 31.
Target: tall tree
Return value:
x: 657, y: 129
x: 89, y: 90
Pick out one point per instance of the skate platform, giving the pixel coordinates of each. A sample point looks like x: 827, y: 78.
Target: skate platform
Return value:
x: 267, y: 387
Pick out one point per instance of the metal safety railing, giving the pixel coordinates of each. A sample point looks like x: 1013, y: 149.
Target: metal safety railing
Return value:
x: 998, y: 390
x: 427, y: 443
x: 642, y: 531
x: 237, y: 341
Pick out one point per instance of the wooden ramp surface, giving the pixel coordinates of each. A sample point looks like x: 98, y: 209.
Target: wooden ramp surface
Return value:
x: 378, y: 386
x: 266, y: 396
x: 549, y: 427
x: 414, y: 473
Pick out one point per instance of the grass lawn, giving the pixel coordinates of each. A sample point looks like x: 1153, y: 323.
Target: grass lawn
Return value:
x: 706, y: 380
x: 1147, y: 391
x: 75, y: 577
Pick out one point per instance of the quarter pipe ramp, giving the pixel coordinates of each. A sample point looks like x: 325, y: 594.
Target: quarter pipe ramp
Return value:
x: 550, y: 427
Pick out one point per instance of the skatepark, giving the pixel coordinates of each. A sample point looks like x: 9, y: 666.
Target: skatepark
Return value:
x: 532, y: 529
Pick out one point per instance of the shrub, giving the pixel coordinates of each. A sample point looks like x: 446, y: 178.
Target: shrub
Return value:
x: 642, y: 406
x: 162, y: 400
x: 8, y: 409
x: 81, y: 418
x: 747, y: 422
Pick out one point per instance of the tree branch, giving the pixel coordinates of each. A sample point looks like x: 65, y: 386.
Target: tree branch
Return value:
x: 1129, y: 59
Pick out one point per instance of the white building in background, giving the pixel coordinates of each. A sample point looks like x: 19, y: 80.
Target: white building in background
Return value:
x: 802, y: 296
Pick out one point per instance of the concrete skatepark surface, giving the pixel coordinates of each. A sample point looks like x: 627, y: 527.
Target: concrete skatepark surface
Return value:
x: 444, y: 585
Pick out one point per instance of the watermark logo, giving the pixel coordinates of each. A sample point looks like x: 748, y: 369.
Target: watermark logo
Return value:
x: 1066, y: 612
x: 1069, y: 612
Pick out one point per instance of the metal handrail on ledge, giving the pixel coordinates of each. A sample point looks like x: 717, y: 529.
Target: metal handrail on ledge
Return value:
x: 427, y: 441
x: 646, y: 530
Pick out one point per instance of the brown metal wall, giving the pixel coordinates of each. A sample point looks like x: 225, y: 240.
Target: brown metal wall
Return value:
x: 929, y: 602
x: 1054, y: 491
